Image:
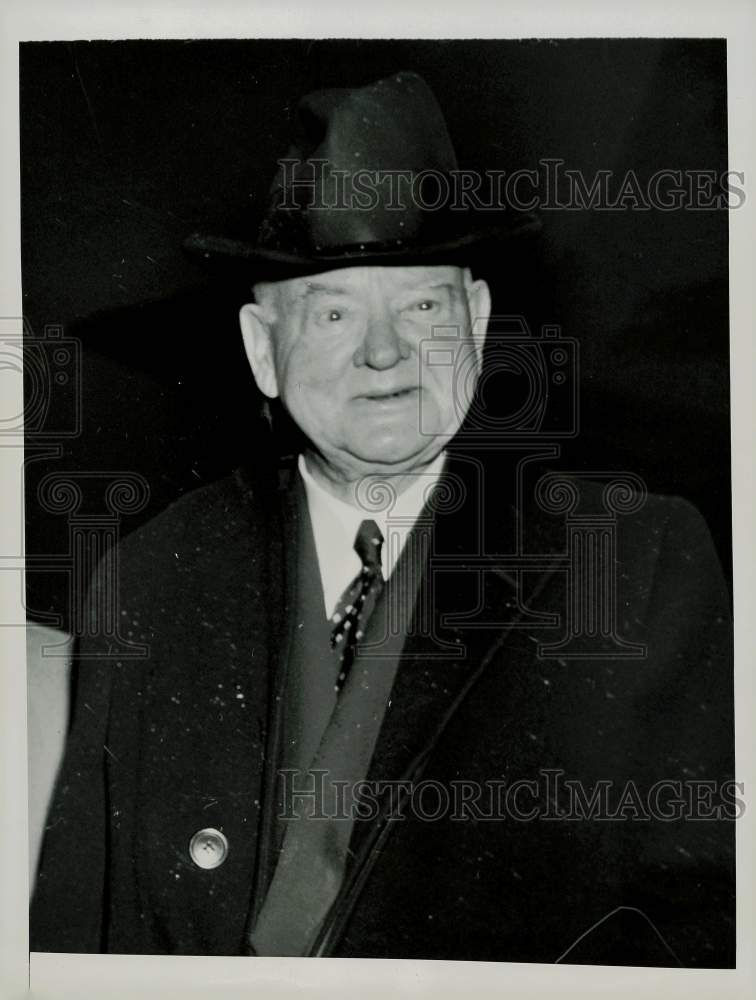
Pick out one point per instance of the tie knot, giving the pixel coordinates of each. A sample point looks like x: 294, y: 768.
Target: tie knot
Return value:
x: 368, y: 544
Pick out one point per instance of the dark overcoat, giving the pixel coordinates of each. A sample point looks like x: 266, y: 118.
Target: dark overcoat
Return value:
x: 531, y: 824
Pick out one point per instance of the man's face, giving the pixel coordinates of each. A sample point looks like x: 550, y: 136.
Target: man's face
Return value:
x: 348, y: 353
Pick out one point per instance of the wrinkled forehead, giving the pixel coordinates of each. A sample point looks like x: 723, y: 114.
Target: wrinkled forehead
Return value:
x: 354, y: 280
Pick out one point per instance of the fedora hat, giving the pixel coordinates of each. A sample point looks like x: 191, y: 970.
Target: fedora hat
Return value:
x: 368, y: 179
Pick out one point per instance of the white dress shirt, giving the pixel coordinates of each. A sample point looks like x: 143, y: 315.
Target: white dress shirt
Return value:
x: 335, y: 524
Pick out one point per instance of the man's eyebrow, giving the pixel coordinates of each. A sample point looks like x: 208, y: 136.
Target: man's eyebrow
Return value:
x: 421, y: 286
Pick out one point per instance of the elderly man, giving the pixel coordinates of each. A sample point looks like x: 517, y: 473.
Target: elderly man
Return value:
x: 348, y: 732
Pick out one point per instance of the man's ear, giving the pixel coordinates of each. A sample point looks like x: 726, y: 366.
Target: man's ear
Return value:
x: 479, y: 306
x: 258, y: 343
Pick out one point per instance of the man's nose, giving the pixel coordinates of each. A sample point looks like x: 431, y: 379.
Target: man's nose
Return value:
x: 382, y: 346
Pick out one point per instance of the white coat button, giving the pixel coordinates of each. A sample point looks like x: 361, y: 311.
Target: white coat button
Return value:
x: 208, y: 848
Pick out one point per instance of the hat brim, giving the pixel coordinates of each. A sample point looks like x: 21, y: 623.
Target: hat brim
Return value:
x: 241, y: 258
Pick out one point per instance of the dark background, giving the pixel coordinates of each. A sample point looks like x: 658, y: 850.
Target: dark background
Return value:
x: 127, y: 147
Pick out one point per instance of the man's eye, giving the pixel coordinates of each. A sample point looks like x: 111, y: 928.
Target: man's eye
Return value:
x: 425, y: 305
x: 333, y: 315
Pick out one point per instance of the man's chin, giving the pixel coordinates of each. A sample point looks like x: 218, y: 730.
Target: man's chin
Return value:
x: 397, y: 457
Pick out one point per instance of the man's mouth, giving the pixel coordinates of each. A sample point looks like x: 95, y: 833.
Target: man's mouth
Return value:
x: 397, y: 394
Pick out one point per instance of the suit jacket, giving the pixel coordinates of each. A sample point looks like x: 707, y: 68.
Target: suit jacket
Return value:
x: 165, y: 745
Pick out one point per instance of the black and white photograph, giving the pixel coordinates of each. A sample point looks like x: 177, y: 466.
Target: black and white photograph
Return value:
x: 378, y: 499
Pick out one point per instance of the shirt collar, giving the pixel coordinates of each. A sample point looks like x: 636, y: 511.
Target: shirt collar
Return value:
x: 335, y: 524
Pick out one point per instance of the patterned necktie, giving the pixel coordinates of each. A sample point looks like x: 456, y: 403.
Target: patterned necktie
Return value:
x: 358, y: 600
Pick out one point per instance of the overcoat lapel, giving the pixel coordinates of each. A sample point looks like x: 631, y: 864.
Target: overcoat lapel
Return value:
x: 468, y: 602
x: 283, y: 517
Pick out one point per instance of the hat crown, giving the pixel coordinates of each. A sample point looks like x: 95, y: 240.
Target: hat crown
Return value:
x: 349, y: 177
x: 392, y: 124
